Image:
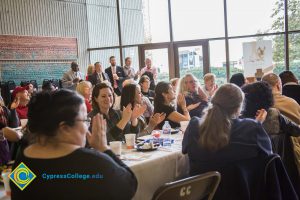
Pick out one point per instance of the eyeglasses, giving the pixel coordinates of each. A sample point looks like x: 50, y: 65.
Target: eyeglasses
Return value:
x: 87, y: 121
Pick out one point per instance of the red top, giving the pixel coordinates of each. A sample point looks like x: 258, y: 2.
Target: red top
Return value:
x: 22, y: 112
x: 87, y: 78
x: 88, y: 105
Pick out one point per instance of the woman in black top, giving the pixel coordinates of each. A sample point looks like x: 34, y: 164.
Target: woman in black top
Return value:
x: 58, y: 121
x: 164, y: 97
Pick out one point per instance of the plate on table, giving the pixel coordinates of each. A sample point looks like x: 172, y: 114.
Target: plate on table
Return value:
x: 147, y: 146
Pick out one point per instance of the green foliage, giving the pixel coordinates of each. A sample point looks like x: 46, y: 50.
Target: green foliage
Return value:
x: 278, y: 25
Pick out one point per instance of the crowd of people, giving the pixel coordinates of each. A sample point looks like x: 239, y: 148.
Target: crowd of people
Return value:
x: 69, y: 129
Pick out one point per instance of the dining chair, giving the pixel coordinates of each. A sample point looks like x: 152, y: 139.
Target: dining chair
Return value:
x: 197, y: 187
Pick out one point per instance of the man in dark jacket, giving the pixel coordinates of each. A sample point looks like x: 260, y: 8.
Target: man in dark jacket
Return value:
x: 98, y: 76
x: 116, y: 75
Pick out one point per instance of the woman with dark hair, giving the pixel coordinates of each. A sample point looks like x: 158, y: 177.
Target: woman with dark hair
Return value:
x: 259, y: 96
x: 118, y: 123
x: 132, y: 95
x: 64, y: 169
x: 164, y: 97
x: 238, y: 79
x: 145, y: 87
x: 219, y: 139
x: 290, y: 86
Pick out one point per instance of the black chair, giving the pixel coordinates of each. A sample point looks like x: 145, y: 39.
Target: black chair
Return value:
x: 11, y: 85
x: 198, y: 187
x: 24, y: 83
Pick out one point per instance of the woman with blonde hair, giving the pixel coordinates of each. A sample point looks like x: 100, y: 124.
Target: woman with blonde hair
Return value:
x: 195, y: 98
x: 90, y: 71
x: 84, y: 88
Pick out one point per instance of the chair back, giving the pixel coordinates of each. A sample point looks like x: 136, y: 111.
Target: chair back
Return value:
x: 197, y: 187
x: 24, y: 83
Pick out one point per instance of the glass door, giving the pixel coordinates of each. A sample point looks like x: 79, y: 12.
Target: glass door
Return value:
x: 159, y: 57
x: 191, y: 58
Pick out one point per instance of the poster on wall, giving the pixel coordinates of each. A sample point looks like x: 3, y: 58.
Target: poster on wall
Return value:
x: 257, y: 57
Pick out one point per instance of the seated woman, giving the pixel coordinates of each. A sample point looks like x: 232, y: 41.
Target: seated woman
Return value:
x: 259, y: 96
x: 118, y: 123
x: 85, y: 89
x: 131, y: 94
x: 145, y: 88
x: 8, y: 118
x: 59, y: 123
x: 164, y: 97
x: 195, y: 98
x: 220, y: 138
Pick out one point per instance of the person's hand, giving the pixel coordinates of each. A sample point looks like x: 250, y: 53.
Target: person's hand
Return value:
x: 137, y: 111
x: 115, y: 77
x: 192, y: 106
x: 76, y: 80
x: 213, y: 90
x: 181, y: 101
x: 97, y: 139
x: 127, y: 112
x: 261, y: 115
x: 202, y: 94
x: 15, y: 103
x: 156, y: 119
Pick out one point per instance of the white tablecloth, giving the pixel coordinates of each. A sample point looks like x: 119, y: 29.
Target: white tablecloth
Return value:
x: 153, y: 169
x: 162, y: 166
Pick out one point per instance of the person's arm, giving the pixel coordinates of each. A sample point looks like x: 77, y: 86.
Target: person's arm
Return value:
x: 288, y: 126
x: 112, y: 167
x: 177, y: 117
x: 262, y: 139
x: 13, y: 119
x: 67, y: 82
x: 155, y: 74
x: 193, y: 127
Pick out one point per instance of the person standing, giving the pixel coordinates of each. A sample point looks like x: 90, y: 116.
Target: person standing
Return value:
x: 116, y: 75
x: 71, y: 78
x: 129, y: 70
x: 151, y: 72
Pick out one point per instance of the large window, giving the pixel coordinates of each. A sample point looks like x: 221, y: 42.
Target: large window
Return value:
x: 103, y: 56
x: 294, y: 54
x: 146, y: 23
x: 133, y: 53
x: 218, y: 60
x: 249, y: 17
x: 159, y: 58
x: 191, y: 61
x: 237, y: 61
x: 294, y: 14
x: 102, y: 23
x: 194, y: 19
